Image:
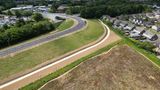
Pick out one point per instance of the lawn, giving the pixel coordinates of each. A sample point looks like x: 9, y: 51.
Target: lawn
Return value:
x: 66, y: 24
x: 33, y: 57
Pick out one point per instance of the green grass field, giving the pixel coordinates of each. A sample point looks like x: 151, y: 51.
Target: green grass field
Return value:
x: 66, y: 24
x: 33, y: 57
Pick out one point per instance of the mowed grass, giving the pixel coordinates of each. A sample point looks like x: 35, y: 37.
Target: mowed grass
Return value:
x: 66, y: 24
x: 33, y: 57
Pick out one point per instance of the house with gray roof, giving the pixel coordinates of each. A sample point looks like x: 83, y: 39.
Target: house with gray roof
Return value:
x: 140, y: 30
x: 123, y: 24
x: 137, y: 32
x: 129, y: 27
x: 62, y: 8
x: 156, y: 27
x: 112, y: 20
x: 148, y: 24
x: 150, y: 15
x: 116, y: 24
x: 150, y: 36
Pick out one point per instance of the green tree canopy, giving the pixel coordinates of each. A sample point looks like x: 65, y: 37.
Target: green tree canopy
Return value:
x: 37, y: 17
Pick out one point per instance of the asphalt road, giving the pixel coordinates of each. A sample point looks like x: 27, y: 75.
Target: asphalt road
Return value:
x: 54, y: 36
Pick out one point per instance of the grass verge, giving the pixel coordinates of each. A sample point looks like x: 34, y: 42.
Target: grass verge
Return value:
x: 65, y: 24
x: 38, y: 55
x: 37, y: 84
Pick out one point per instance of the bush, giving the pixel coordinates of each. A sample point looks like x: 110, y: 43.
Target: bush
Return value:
x: 73, y: 10
x: 37, y: 17
x: 145, y: 45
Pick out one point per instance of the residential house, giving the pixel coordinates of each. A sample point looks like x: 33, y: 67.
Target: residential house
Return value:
x: 155, y: 27
x: 137, y: 21
x: 148, y: 24
x: 112, y: 20
x: 62, y: 8
x: 129, y: 27
x: 150, y: 36
x: 137, y: 32
x: 155, y: 6
x: 28, y: 7
x: 150, y: 15
x: 116, y: 24
x: 123, y: 24
x: 140, y: 30
x: 41, y: 8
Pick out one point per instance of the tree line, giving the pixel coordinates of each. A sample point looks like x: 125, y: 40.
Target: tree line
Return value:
x: 6, y: 4
x: 17, y: 34
x: 97, y: 8
x: 112, y: 10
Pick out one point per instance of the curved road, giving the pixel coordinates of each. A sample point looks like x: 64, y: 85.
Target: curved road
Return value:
x: 14, y: 49
x: 35, y: 75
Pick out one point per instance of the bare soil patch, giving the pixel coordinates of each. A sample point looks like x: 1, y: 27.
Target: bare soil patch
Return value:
x: 120, y: 69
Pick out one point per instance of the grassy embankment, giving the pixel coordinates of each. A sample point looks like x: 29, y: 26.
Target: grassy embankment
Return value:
x: 38, y: 55
x: 66, y: 24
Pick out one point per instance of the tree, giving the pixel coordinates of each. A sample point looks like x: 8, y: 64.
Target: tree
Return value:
x: 17, y: 14
x: 1, y: 9
x: 37, y: 17
x: 145, y: 45
x: 5, y: 26
x: 73, y: 10
x: 20, y: 22
x: 27, y: 13
x: 53, y: 9
x: 9, y: 13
